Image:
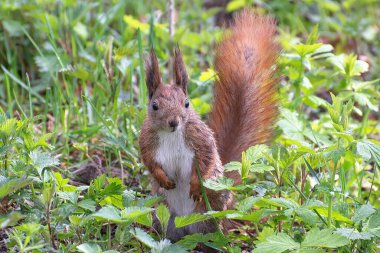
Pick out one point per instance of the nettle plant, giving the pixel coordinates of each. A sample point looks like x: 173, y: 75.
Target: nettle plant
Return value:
x: 314, y: 190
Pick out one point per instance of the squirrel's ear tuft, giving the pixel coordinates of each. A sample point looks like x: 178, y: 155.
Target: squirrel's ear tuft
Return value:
x: 152, y: 73
x: 180, y: 74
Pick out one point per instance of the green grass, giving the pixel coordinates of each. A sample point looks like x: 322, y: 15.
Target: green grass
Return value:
x: 72, y: 93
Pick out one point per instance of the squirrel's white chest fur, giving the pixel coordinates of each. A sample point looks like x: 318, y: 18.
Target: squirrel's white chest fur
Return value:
x: 176, y: 159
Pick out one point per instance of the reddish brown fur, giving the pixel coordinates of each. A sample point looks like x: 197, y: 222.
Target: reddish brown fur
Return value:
x: 243, y: 113
x: 245, y: 103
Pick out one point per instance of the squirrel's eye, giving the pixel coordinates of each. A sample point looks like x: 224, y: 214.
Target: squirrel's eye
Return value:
x: 155, y: 106
x: 187, y: 103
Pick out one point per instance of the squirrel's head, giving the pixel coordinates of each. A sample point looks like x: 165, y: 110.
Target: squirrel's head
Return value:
x: 168, y: 107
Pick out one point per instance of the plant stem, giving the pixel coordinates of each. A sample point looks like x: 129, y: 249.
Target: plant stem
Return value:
x: 332, y: 180
x: 207, y: 203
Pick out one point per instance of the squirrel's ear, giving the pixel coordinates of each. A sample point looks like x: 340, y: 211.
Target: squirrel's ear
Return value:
x: 180, y: 75
x: 152, y: 73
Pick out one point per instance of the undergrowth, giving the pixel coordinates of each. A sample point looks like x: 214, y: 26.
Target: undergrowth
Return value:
x: 73, y: 98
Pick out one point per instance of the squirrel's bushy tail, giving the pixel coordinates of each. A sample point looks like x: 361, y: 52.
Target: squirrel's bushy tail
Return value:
x: 245, y: 103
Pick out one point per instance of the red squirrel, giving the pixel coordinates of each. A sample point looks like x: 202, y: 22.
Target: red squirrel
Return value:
x: 173, y: 137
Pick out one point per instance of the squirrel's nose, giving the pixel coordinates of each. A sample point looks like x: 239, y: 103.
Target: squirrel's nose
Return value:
x: 173, y: 123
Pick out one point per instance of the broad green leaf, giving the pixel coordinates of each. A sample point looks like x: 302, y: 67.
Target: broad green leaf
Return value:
x: 8, y: 186
x: 88, y: 204
x: 335, y: 215
x: 277, y: 243
x: 232, y: 166
x: 324, y: 238
x: 191, y: 241
x: 144, y: 237
x: 165, y: 246
x: 145, y: 220
x: 108, y: 213
x: 260, y: 168
x: 369, y: 150
x: 163, y: 215
x: 89, y: 248
x: 256, y: 152
x: 353, y: 234
x: 374, y: 221
x: 219, y: 184
x: 10, y: 219
x: 363, y: 212
x: 41, y: 160
x: 308, y: 216
x: 131, y: 213
x: 246, y: 204
x: 182, y: 221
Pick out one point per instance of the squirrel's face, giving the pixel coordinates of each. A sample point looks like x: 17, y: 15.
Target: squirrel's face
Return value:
x: 168, y: 107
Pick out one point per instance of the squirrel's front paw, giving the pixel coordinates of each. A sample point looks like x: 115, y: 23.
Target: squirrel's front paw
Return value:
x: 168, y: 184
x: 195, y: 192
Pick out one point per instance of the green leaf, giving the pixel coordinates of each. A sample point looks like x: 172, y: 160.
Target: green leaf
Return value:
x: 246, y: 204
x: 108, y: 213
x: 182, y: 221
x: 191, y: 241
x: 8, y: 186
x: 145, y: 220
x: 163, y: 215
x: 235, y: 5
x: 324, y: 238
x: 232, y: 166
x: 256, y: 152
x: 353, y: 234
x: 277, y: 243
x: 374, y: 221
x: 133, y: 212
x: 335, y: 215
x: 89, y: 248
x: 165, y: 246
x: 41, y: 160
x: 363, y: 212
x: 219, y: 184
x: 144, y: 237
x: 260, y: 168
x: 88, y: 204
x: 369, y: 150
x: 10, y: 219
x: 308, y: 216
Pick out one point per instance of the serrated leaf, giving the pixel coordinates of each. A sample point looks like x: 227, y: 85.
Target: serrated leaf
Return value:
x: 232, y: 166
x: 191, y: 241
x: 256, y: 152
x: 132, y: 212
x: 277, y: 243
x: 335, y: 215
x: 260, y: 168
x: 324, y: 238
x: 219, y: 184
x: 374, y: 221
x: 182, y: 221
x: 165, y: 246
x: 369, y: 150
x: 163, y: 215
x: 144, y: 237
x: 8, y: 186
x: 89, y: 248
x: 88, y: 204
x: 108, y: 213
x: 353, y: 234
x: 363, y: 212
x: 41, y: 160
x: 246, y: 204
